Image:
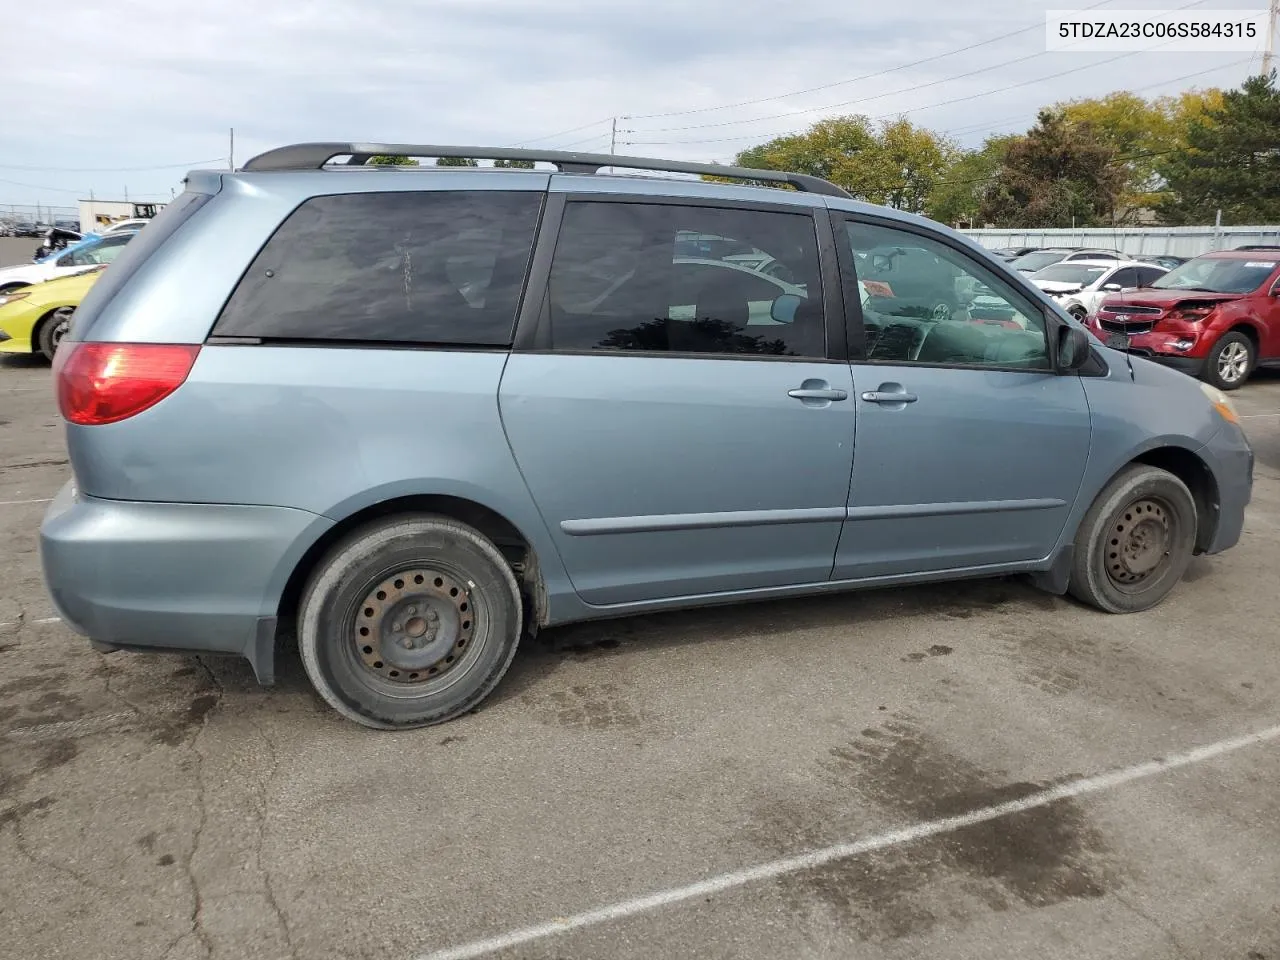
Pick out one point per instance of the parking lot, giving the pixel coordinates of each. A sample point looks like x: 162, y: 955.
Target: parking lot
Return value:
x: 979, y: 770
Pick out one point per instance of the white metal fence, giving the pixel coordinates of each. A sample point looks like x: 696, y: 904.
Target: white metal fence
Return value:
x: 1174, y: 241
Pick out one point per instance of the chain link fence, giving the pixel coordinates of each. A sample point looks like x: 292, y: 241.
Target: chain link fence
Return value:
x: 32, y: 220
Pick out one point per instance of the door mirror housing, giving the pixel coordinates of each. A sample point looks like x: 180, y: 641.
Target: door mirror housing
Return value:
x: 1111, y: 287
x: 1073, y: 348
x: 784, y: 307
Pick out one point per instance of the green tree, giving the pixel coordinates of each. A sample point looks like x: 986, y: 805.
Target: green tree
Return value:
x: 392, y: 160
x: 516, y: 164
x: 455, y: 162
x: 1140, y: 133
x: 958, y: 195
x: 1058, y: 174
x: 1231, y: 161
x: 895, y: 164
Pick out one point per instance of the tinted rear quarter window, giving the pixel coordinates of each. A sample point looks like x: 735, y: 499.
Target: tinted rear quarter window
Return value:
x: 420, y: 267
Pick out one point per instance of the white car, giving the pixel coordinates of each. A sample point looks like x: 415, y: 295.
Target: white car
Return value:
x: 73, y: 259
x: 134, y: 224
x: 1080, y: 285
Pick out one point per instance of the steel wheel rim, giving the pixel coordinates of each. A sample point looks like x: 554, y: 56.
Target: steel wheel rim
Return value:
x: 941, y: 312
x: 413, y: 633
x: 1233, y: 361
x: 1140, y: 544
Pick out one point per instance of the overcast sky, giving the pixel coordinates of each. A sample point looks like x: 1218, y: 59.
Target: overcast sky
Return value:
x: 91, y: 87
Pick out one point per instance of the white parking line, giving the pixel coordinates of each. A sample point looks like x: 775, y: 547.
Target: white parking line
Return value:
x: 818, y: 858
x: 14, y: 623
x: 14, y: 503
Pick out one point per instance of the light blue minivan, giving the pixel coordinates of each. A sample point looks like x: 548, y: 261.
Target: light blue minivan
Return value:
x: 410, y: 413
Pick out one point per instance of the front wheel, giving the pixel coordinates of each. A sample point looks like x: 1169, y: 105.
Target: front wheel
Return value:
x: 1134, y: 544
x: 409, y: 622
x: 1230, y: 361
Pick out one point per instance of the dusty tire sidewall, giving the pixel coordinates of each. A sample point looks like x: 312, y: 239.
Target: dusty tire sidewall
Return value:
x: 1139, y: 485
x: 327, y: 612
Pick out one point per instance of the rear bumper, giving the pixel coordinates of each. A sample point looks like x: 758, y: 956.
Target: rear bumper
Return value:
x: 173, y: 576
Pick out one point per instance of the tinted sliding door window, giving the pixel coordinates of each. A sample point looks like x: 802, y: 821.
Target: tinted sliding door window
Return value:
x: 421, y: 267
x: 672, y: 278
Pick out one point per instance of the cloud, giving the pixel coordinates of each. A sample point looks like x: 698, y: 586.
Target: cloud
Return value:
x: 150, y: 82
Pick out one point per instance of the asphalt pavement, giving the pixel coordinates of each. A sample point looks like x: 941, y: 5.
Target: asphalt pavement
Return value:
x: 975, y: 770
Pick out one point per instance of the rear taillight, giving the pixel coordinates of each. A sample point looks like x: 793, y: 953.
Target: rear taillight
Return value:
x: 106, y: 382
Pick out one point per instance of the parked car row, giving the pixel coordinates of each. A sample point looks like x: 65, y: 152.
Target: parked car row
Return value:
x: 1031, y: 259
x: 38, y: 299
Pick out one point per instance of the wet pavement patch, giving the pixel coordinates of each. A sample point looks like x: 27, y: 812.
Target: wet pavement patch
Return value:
x: 1033, y: 858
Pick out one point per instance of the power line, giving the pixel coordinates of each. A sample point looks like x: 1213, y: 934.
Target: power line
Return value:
x: 930, y: 106
x: 552, y: 136
x: 163, y: 166
x: 910, y: 89
x: 841, y: 83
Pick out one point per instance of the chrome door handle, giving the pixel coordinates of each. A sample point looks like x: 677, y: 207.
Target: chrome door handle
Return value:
x: 805, y: 393
x: 888, y: 396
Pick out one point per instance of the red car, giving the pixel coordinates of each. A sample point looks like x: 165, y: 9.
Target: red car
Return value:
x: 1216, y: 317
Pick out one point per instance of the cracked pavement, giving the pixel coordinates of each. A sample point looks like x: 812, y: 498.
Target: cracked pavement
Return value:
x: 167, y: 807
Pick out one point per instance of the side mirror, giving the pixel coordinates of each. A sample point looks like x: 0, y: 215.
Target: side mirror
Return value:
x: 1111, y: 287
x: 784, y: 307
x: 1073, y: 348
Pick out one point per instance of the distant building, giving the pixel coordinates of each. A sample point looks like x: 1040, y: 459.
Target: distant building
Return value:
x: 96, y: 214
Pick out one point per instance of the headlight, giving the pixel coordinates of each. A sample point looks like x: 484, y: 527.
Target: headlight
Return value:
x: 1221, y: 402
x: 11, y: 297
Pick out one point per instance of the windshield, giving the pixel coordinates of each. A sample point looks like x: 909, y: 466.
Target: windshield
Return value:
x: 1081, y: 273
x: 1217, y: 275
x: 1037, y: 259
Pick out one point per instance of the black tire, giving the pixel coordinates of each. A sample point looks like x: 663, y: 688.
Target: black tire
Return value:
x: 52, y: 329
x: 1079, y: 313
x: 1134, y: 544
x: 464, y: 606
x: 1229, y: 352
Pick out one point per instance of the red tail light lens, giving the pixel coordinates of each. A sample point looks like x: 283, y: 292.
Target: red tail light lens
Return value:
x: 107, y: 382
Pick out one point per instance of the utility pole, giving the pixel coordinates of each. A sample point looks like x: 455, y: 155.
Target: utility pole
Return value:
x: 231, y: 151
x: 1273, y: 12
x: 613, y: 131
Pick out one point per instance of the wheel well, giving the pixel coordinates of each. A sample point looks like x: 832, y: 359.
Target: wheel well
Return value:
x: 1249, y: 332
x: 1192, y: 471
x: 38, y: 326
x: 513, y: 545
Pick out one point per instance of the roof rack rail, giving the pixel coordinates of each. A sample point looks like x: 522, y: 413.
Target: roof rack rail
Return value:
x: 1259, y: 246
x: 315, y: 156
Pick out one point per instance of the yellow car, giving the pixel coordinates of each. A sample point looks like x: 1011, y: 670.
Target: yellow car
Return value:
x: 34, y: 319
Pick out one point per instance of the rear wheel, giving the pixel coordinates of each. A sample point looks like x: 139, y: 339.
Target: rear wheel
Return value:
x: 52, y: 329
x: 1230, y: 361
x: 1134, y: 544
x: 409, y: 622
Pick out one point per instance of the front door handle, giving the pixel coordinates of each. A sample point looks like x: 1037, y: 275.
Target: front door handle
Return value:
x: 813, y: 393
x: 889, y: 396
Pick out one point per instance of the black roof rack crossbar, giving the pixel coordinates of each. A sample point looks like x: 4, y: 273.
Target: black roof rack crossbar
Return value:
x: 315, y: 156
